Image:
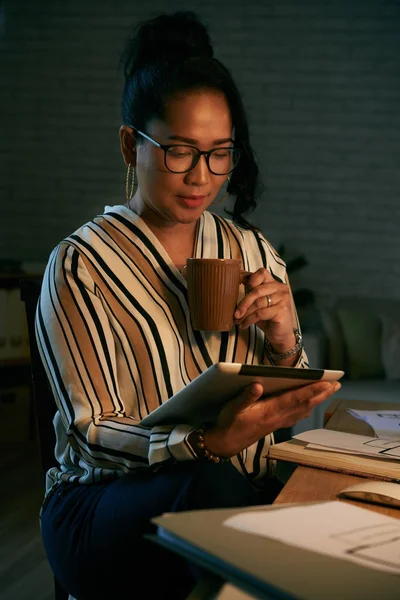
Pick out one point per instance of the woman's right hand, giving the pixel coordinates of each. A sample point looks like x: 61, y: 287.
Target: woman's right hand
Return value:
x: 248, y: 417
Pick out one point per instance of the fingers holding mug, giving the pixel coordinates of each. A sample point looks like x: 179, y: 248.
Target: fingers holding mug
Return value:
x: 260, y: 305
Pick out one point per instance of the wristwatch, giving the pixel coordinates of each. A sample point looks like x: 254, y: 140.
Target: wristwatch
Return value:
x: 277, y: 356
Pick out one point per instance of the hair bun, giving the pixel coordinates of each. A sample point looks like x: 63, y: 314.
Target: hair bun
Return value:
x: 179, y: 34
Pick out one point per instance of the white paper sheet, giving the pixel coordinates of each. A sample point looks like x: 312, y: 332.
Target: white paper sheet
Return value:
x: 385, y: 423
x: 336, y: 529
x: 352, y: 442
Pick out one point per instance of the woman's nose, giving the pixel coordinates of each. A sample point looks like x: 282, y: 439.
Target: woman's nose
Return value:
x: 200, y: 174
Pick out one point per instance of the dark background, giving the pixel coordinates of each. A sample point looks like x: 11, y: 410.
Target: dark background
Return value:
x: 320, y: 80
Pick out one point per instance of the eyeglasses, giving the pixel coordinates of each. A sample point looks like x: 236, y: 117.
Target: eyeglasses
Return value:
x: 181, y: 159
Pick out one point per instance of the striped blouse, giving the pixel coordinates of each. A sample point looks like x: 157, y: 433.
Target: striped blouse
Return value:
x: 114, y: 332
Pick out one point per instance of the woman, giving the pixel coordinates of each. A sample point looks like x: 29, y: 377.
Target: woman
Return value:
x: 116, y: 340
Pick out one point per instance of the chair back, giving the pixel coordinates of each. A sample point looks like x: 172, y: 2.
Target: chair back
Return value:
x: 44, y: 403
x: 45, y: 406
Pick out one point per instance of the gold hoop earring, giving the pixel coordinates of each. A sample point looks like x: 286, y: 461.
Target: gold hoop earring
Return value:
x: 226, y: 195
x: 129, y: 194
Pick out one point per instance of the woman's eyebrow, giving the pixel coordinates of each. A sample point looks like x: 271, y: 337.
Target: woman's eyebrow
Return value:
x: 194, y: 142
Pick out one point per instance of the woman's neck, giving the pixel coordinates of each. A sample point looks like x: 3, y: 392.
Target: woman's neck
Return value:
x: 167, y: 232
x: 178, y: 239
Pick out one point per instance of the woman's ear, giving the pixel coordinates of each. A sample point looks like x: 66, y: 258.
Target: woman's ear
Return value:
x: 128, y: 145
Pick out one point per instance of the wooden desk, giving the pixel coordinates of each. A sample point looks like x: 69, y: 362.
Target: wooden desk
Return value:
x: 309, y: 485
x: 312, y: 485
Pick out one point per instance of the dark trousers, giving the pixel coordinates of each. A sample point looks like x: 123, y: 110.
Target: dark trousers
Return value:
x: 93, y: 534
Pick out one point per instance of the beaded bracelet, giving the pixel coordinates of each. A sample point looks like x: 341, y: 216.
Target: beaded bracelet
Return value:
x: 205, y: 452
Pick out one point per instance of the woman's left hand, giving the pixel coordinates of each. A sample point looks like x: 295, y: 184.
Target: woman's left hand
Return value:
x: 268, y: 304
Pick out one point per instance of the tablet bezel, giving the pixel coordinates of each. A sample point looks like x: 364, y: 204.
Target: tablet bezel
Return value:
x: 202, y: 399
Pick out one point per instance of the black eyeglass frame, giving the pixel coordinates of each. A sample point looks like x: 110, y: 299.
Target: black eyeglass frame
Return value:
x: 206, y: 153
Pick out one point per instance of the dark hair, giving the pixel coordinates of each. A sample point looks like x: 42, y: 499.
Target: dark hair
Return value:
x: 173, y: 53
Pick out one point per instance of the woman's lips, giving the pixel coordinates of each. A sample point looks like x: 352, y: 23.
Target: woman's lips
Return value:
x: 192, y: 201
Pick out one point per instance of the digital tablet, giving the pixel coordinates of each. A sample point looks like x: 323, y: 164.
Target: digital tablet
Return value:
x: 202, y: 399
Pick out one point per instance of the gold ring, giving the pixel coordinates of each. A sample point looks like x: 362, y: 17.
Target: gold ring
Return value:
x: 269, y: 301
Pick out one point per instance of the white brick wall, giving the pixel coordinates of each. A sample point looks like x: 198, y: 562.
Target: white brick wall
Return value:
x: 321, y: 82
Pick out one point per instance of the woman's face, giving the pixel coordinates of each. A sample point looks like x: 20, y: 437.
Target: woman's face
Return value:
x: 200, y: 119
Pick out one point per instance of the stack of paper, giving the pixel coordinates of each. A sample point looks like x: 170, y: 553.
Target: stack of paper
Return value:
x: 336, y: 529
x: 339, y: 441
x: 344, y: 452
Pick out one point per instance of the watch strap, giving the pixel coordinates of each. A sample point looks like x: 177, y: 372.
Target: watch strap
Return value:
x: 276, y: 356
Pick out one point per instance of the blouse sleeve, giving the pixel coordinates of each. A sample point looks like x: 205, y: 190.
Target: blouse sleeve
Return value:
x: 277, y: 267
x: 77, y: 346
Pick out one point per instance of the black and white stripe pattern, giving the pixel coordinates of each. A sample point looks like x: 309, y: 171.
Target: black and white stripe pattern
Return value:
x: 114, y: 331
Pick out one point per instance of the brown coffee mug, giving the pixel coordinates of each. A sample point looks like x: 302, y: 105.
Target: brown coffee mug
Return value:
x: 213, y: 288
